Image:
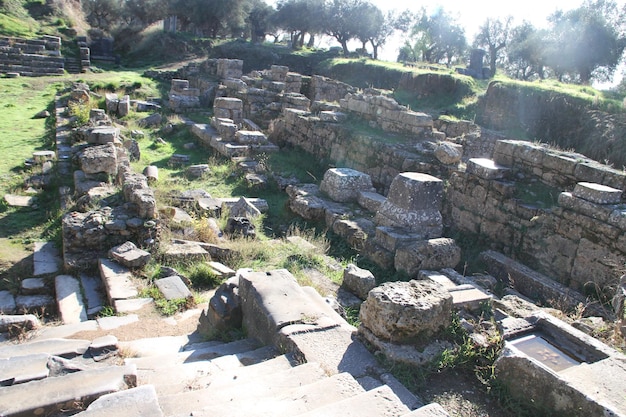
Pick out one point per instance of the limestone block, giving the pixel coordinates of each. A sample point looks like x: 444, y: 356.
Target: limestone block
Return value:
x: 111, y: 102
x: 229, y: 103
x: 250, y: 137
x: 405, y: 312
x: 123, y: 107
x: 597, y: 193
x: 358, y: 281
x: 97, y: 159
x: 224, y: 309
x: 197, y: 171
x: 179, y: 85
x: 427, y: 254
x: 69, y: 299
x: 343, y: 184
x: 173, y: 288
x: 34, y: 303
x: 449, y: 153
x: 242, y: 208
x: 129, y: 255
x: 391, y: 238
x: 22, y: 321
x: 486, y: 169
x: 370, y: 201
x: 31, y: 286
x: 415, y: 191
x: 333, y: 116
x: 103, y: 135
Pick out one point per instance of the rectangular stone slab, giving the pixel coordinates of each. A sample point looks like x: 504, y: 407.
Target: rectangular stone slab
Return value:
x: 173, y: 288
x: 117, y: 280
x: 52, y: 394
x: 24, y: 368
x: 273, y: 300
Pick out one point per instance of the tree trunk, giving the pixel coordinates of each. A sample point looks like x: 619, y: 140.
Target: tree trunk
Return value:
x: 311, y: 42
x: 344, y: 46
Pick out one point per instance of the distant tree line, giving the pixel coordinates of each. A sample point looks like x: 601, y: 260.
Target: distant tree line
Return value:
x: 579, y: 45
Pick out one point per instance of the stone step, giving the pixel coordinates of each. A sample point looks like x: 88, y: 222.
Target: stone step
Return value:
x: 192, y: 352
x: 155, y: 346
x: 241, y: 386
x: 200, y: 375
x: 46, y: 258
x: 135, y: 402
x: 180, y: 377
x: 69, y: 299
x: 290, y: 402
x: 68, y: 392
x: 379, y: 402
x: 117, y: 281
x: 23, y: 369
x: 56, y: 347
x: 245, y: 352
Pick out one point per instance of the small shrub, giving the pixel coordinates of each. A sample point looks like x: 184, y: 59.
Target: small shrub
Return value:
x: 80, y: 112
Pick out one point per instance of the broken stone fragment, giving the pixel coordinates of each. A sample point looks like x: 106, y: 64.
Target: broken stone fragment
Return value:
x: 129, y: 255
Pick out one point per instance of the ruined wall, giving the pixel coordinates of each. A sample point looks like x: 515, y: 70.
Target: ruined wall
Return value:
x: 561, y: 119
x: 32, y: 57
x: 335, y: 145
x: 578, y: 242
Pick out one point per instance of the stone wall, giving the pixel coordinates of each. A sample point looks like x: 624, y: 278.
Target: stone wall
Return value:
x: 32, y: 57
x: 578, y: 242
x: 333, y: 144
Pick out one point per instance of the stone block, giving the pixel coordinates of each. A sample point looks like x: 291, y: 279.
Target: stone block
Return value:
x: 94, y: 293
x: 221, y: 270
x: 392, y: 238
x: 173, y: 288
x: 358, y: 281
x: 333, y: 116
x: 406, y: 312
x: 486, y: 169
x: 449, y: 153
x: 69, y: 299
x: 370, y: 201
x: 31, y: 286
x: 97, y: 159
x: 34, y: 303
x: 129, y: 255
x: 103, y: 135
x: 229, y: 103
x: 597, y: 193
x: 249, y: 137
x: 343, y: 184
x: 430, y: 254
x: 415, y: 191
x: 117, y: 280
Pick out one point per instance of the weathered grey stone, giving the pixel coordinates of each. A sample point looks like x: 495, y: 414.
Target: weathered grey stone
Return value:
x: 240, y: 226
x: 449, y: 153
x: 31, y: 286
x: 405, y: 312
x: 123, y: 107
x: 220, y: 269
x: 597, y: 193
x: 129, y: 255
x: 54, y: 346
x: 34, y: 303
x: 93, y: 290
x: 414, y: 202
x: 97, y: 159
x: 22, y: 321
x: 117, y: 280
x: 69, y: 299
x: 486, y: 169
x: 139, y: 401
x: 43, y: 156
x: 343, y: 184
x: 197, y: 171
x: 7, y: 303
x: 333, y: 116
x: 23, y: 369
x: 114, y: 322
x: 434, y: 254
x: 14, y: 200
x: 249, y: 137
x: 359, y: 281
x: 103, y: 135
x: 133, y: 149
x: 133, y: 304
x: 173, y: 288
x: 370, y: 201
x: 150, y: 121
x: 67, y: 393
x: 224, y: 309
x: 242, y: 208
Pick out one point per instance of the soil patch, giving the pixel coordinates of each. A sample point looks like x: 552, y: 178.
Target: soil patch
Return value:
x: 461, y: 395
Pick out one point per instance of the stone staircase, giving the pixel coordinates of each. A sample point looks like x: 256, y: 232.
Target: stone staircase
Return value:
x: 58, y: 377
x: 300, y: 358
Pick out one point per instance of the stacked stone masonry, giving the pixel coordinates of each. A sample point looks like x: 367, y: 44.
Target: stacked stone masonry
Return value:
x: 31, y: 57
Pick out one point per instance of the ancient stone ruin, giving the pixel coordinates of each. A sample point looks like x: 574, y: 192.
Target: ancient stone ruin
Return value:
x: 405, y: 204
